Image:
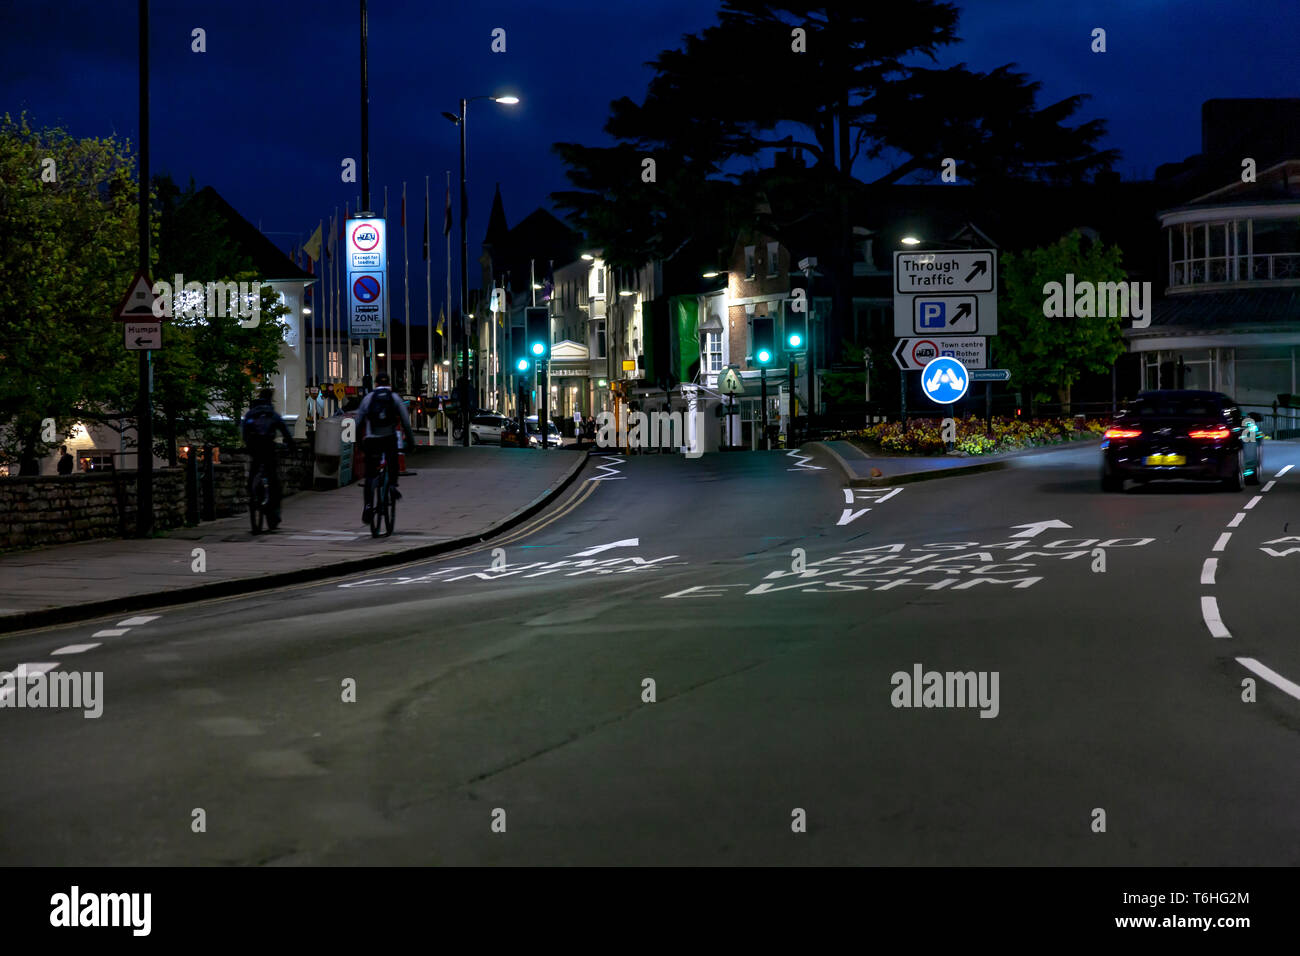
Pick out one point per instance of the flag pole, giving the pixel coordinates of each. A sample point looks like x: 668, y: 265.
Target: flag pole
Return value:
x: 406, y: 292
x: 446, y: 234
x: 429, y: 391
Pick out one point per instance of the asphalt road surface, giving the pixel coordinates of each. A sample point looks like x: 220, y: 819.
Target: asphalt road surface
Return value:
x: 503, y: 709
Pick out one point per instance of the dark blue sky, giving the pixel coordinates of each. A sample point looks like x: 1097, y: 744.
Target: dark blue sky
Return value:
x: 267, y: 114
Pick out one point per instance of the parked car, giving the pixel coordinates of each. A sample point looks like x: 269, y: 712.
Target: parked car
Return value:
x: 1182, y: 434
x: 485, y: 428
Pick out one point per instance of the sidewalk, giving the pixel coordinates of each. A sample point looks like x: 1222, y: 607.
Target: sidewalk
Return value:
x: 856, y: 465
x: 453, y: 497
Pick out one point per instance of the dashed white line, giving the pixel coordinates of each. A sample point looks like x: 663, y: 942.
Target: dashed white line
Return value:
x: 1237, y: 520
x: 1223, y: 541
x: 1272, y: 676
x: 1207, y: 570
x: 25, y: 670
x: 1210, y: 612
x: 1282, y: 472
x: 1254, y: 501
x: 111, y: 632
x: 75, y: 648
x: 1268, y: 487
x: 137, y: 621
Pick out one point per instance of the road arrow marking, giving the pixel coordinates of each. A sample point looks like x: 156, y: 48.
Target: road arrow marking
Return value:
x: 625, y: 543
x: 1038, y: 527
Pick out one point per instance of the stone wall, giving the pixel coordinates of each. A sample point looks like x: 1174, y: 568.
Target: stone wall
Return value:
x: 57, y: 509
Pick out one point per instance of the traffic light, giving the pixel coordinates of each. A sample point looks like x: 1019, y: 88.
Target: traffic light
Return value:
x: 521, y: 366
x: 519, y: 350
x: 764, y: 340
x: 537, y: 326
x: 796, y: 332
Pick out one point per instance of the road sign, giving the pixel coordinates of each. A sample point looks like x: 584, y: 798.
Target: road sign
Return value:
x: 137, y: 304
x: 914, y: 353
x: 339, y: 391
x: 951, y: 292
x: 141, y: 336
x: 945, y: 380
x: 366, y: 242
x: 991, y: 375
x: 729, y: 382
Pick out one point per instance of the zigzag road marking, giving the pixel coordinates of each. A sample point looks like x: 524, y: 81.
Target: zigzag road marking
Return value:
x: 613, y: 472
x: 799, y: 465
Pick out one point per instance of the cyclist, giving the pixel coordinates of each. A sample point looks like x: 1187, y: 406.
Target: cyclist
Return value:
x: 260, y: 427
x: 381, y: 414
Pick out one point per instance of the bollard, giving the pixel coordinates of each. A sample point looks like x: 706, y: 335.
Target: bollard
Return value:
x: 192, y: 487
x: 209, y: 485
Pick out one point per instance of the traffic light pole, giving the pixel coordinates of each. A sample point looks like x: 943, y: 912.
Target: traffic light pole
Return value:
x: 464, y: 288
x: 542, y: 419
x: 763, y: 402
x: 144, y: 414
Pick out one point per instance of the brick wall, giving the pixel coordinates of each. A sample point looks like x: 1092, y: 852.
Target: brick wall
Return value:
x: 57, y: 509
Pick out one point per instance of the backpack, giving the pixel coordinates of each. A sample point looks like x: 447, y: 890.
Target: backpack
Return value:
x: 382, y: 412
x: 261, y: 421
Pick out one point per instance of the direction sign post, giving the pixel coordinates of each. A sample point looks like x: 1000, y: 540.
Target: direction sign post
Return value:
x: 917, y: 353
x: 140, y: 336
x: 941, y: 292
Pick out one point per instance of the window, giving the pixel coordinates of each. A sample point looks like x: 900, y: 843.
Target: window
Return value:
x: 600, y: 339
x: 773, y: 258
x: 749, y: 262
x: 95, y: 460
x: 600, y: 282
x: 713, y: 347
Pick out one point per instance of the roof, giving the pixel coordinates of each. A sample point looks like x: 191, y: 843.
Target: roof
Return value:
x: 270, y: 264
x: 1238, y: 310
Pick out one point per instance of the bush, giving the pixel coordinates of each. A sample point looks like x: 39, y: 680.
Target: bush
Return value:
x: 925, y: 437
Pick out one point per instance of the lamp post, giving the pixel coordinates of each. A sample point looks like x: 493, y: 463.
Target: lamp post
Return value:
x: 459, y: 120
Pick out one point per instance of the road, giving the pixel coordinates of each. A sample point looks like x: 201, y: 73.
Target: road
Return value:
x: 508, y: 691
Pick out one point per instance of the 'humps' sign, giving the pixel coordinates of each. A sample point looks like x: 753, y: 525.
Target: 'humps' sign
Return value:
x: 365, y: 242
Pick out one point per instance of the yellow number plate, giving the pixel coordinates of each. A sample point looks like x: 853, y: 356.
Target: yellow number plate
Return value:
x: 1166, y: 460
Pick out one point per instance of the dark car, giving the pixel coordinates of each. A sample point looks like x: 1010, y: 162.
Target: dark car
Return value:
x: 1182, y: 434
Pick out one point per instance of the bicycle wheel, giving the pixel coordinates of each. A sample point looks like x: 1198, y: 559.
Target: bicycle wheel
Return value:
x: 258, y: 501
x: 390, y: 517
x: 380, y: 509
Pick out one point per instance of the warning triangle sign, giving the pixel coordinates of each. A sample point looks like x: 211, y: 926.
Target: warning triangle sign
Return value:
x: 139, y: 299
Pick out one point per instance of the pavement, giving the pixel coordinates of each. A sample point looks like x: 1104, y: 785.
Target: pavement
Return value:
x: 452, y: 496
x: 861, y: 470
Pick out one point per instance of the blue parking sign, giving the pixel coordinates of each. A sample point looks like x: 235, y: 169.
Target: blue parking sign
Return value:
x: 932, y: 315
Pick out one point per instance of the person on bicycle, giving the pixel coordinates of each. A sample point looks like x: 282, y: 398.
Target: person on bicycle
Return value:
x: 381, y: 414
x: 260, y: 427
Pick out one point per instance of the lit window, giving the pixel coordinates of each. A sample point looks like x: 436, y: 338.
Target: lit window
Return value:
x: 714, y: 349
x: 749, y: 262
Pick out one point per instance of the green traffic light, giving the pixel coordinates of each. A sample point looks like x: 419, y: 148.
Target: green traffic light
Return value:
x: 795, y: 340
x: 522, y: 365
x: 538, y: 348
x: 764, y: 356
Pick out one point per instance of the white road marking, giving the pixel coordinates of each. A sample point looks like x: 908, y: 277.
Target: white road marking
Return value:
x: 888, y: 496
x: 1272, y: 676
x: 1210, y: 612
x: 848, y: 496
x: 137, y: 621
x: 1223, y: 541
x: 75, y: 649
x: 1254, y: 501
x: 1268, y: 487
x: 613, y: 472
x: 1207, y: 570
x: 1237, y: 519
x: 1282, y: 472
x: 23, y: 670
x: 800, y: 464
x: 625, y: 543
x: 846, y: 516
x: 1036, y: 528
x: 111, y: 632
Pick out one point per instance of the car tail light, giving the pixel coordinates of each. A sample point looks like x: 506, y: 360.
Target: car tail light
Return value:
x: 1216, y: 433
x: 1122, y: 433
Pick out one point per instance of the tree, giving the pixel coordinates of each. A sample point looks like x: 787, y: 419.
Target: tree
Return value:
x: 68, y: 214
x: 1044, y: 352
x: 853, y: 93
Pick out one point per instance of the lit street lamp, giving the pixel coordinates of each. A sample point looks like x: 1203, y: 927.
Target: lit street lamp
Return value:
x: 459, y: 120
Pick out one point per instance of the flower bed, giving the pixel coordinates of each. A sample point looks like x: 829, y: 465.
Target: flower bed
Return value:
x: 924, y: 436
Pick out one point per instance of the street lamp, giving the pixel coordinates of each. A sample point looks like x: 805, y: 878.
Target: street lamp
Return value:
x: 916, y: 241
x: 459, y: 120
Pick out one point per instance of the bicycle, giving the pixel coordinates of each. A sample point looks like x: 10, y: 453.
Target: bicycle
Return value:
x: 259, y: 499
x: 384, y: 512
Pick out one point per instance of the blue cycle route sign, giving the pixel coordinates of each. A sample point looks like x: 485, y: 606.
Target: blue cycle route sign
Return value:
x: 945, y: 380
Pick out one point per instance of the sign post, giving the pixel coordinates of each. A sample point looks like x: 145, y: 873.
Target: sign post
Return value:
x: 939, y: 292
x: 366, y: 269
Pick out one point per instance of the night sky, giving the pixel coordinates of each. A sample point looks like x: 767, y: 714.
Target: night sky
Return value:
x: 268, y: 112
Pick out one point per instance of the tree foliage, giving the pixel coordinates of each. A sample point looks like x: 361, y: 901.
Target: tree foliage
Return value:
x: 69, y: 252
x: 1052, y: 353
